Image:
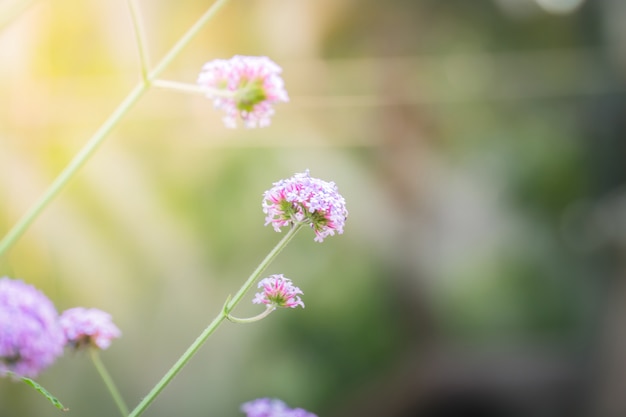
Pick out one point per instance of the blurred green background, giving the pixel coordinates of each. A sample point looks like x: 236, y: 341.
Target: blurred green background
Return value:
x: 480, y: 148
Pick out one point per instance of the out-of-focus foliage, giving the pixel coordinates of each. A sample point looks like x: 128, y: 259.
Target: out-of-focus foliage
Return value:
x: 479, y: 146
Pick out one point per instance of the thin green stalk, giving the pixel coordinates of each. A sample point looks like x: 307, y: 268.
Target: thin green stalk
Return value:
x: 108, y: 381
x: 186, y: 38
x: 230, y: 305
x: 192, y: 88
x: 180, y: 363
x: 139, y: 38
x: 221, y: 316
x: 90, y: 147
x: 70, y: 170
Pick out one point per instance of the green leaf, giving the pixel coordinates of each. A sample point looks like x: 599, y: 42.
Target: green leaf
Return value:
x: 43, y: 391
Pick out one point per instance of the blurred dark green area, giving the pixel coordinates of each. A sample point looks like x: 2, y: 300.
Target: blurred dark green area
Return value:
x: 479, y: 146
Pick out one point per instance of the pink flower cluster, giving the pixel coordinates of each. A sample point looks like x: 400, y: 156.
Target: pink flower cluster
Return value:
x: 30, y: 336
x: 278, y: 291
x: 88, y: 327
x: 271, y: 407
x: 244, y: 87
x: 303, y: 199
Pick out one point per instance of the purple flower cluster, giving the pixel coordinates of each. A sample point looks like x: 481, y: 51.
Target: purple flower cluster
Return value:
x: 30, y: 336
x: 278, y: 291
x: 88, y: 327
x: 244, y: 87
x: 303, y: 199
x: 271, y: 407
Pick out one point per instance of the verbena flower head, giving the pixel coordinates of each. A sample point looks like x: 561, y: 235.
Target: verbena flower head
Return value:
x: 302, y: 198
x: 85, y: 327
x: 278, y: 291
x: 271, y: 407
x: 245, y: 87
x: 30, y: 336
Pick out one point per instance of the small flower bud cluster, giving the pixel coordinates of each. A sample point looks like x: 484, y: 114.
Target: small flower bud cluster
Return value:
x: 88, y: 327
x: 245, y: 87
x: 278, y: 291
x: 303, y: 199
x: 271, y: 407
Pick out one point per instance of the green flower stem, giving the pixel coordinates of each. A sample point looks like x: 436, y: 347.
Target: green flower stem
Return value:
x: 258, y: 317
x: 70, y: 170
x: 221, y: 316
x: 186, y: 38
x: 180, y: 363
x: 139, y: 38
x: 230, y: 305
x: 90, y: 147
x: 108, y: 381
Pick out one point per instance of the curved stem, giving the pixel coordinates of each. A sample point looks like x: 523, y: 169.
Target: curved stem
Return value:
x: 247, y: 320
x: 108, y: 381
